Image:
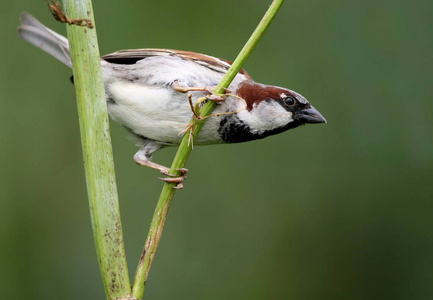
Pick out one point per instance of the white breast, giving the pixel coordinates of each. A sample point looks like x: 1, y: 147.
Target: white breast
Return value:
x: 155, y: 113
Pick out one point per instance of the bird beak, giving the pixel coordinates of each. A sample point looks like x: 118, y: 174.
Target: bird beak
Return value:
x: 311, y: 116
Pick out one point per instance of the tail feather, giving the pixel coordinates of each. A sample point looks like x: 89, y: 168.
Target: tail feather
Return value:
x: 34, y: 32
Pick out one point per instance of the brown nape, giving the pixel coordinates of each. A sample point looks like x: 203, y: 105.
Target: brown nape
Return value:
x: 252, y: 93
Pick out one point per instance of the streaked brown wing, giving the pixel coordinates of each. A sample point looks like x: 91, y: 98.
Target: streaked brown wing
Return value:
x: 133, y: 55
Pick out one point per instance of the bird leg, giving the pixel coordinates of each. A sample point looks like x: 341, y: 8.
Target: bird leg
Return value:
x: 142, y: 158
x: 210, y: 89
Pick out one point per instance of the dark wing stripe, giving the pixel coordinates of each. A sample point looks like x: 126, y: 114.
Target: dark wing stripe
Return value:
x: 132, y: 56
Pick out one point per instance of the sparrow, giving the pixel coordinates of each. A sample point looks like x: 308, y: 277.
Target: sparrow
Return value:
x: 149, y: 91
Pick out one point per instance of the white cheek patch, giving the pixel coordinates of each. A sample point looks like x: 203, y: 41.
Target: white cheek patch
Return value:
x: 267, y: 115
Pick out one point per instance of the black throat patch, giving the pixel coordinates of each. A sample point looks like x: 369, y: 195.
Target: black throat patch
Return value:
x: 233, y: 130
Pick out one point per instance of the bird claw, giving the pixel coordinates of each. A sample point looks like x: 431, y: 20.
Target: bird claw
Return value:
x: 214, y: 97
x: 143, y: 158
x: 209, y: 89
x: 174, y: 178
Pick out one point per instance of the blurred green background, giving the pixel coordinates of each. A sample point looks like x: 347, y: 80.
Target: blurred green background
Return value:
x: 335, y: 211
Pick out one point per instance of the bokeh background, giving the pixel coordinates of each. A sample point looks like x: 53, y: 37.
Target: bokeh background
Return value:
x: 335, y: 211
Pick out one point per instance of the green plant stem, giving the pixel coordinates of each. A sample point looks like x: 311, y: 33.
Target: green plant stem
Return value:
x: 97, y: 151
x: 167, y: 193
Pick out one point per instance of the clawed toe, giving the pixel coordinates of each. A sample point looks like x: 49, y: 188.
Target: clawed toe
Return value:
x: 174, y: 178
x: 142, y: 158
x: 214, y: 97
x: 210, y: 89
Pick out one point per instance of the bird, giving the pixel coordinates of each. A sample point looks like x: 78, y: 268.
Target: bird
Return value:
x: 151, y: 92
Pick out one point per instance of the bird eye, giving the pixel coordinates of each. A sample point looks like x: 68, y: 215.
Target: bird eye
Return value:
x: 289, y: 101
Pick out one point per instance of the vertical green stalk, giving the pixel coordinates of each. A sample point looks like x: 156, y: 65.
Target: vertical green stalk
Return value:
x: 183, y: 153
x: 97, y: 151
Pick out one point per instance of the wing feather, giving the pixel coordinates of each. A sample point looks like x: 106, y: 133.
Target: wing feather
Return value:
x: 133, y: 55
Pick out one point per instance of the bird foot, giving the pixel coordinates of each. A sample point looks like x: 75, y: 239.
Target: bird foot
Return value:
x: 144, y: 160
x: 210, y: 89
x: 174, y: 178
